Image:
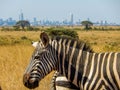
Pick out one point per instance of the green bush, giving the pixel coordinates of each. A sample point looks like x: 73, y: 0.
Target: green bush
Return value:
x: 24, y: 38
x: 62, y: 32
x: 16, y: 28
x: 6, y: 29
x: 32, y: 28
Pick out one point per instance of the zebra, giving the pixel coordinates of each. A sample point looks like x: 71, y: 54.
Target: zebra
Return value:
x: 86, y: 70
x: 60, y: 82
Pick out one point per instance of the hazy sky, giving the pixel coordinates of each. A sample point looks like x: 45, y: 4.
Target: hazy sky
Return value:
x: 96, y: 10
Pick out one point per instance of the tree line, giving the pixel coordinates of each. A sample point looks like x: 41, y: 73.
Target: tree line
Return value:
x: 26, y: 24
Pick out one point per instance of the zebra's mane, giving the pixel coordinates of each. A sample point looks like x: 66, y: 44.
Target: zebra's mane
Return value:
x: 80, y: 44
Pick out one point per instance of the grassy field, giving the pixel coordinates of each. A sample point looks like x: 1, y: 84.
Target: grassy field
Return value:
x: 16, y: 52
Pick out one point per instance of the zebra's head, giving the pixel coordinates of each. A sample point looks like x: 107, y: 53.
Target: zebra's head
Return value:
x: 40, y: 63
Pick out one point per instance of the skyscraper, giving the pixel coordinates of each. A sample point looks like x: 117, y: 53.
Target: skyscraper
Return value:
x: 21, y: 16
x: 35, y: 21
x: 71, y: 19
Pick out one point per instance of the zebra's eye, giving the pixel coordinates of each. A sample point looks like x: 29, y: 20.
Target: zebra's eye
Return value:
x: 37, y: 57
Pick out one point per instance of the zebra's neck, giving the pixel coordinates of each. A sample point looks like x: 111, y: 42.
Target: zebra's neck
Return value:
x: 65, y: 54
x: 72, y: 60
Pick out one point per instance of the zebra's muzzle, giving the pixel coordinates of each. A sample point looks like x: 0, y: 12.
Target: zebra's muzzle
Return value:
x: 29, y: 82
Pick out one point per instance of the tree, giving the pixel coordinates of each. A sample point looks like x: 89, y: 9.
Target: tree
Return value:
x: 87, y: 24
x: 23, y: 24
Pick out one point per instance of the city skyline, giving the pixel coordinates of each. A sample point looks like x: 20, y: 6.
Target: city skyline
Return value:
x: 37, y: 22
x: 95, y: 10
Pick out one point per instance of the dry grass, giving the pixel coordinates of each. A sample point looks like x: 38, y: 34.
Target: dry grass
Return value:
x: 18, y: 34
x: 13, y: 61
x: 102, y: 41
x: 15, y: 58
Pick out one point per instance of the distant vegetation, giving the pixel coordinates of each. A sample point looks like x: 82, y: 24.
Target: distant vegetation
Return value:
x: 22, y: 24
x: 85, y: 26
x: 62, y: 32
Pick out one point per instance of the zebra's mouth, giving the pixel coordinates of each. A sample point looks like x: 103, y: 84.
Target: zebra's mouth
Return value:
x: 30, y: 83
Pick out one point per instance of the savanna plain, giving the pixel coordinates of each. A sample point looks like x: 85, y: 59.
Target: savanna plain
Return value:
x: 16, y: 50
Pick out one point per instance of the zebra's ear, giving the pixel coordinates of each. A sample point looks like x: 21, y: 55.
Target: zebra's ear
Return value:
x: 45, y: 39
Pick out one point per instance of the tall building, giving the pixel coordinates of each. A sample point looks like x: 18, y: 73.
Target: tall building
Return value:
x: 101, y: 23
x: 21, y: 16
x: 106, y: 23
x: 35, y: 21
x: 1, y: 22
x: 71, y: 19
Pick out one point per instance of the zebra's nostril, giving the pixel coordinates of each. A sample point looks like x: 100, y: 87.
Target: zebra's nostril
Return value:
x: 32, y: 80
x: 26, y: 78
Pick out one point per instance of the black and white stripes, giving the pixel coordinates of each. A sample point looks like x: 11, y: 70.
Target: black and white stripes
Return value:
x: 60, y: 82
x: 76, y: 61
